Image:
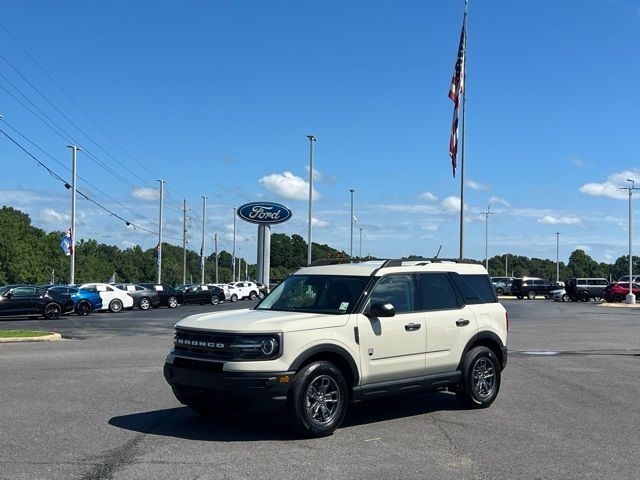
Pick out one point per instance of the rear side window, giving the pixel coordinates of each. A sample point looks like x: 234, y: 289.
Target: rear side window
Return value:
x: 475, y: 288
x: 437, y: 293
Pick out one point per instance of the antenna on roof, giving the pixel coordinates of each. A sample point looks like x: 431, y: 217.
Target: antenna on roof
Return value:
x: 439, y: 248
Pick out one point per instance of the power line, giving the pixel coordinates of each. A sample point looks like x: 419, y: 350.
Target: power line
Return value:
x: 51, y: 172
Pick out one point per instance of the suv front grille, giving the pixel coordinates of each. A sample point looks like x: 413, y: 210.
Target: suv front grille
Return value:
x: 210, y: 345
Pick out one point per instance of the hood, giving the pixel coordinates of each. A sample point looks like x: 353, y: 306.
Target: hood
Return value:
x: 263, y: 321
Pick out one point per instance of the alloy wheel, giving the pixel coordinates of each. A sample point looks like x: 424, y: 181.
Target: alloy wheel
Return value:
x: 484, y: 378
x: 322, y: 400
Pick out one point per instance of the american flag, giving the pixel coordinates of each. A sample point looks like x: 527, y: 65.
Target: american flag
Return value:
x: 455, y: 93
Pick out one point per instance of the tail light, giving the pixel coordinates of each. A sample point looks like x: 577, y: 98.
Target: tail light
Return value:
x: 506, y: 316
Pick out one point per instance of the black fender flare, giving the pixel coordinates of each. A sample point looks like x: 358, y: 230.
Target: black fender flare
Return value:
x: 327, y: 348
x: 485, y: 335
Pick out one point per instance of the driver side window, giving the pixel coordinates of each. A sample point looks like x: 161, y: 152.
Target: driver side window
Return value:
x: 398, y: 290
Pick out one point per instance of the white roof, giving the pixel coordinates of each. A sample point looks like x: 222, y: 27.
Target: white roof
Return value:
x: 367, y: 268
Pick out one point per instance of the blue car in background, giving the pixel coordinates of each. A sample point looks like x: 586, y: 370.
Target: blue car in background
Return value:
x: 84, y: 302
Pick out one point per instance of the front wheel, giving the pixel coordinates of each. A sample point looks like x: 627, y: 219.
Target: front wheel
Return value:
x: 585, y: 297
x: 84, y: 308
x: 617, y: 298
x: 214, y: 300
x: 234, y: 298
x: 115, y: 306
x: 144, y: 304
x: 172, y: 302
x: 499, y: 291
x: 480, y: 378
x: 565, y: 298
x: 52, y: 311
x: 253, y: 295
x: 317, y: 400
x: 531, y: 294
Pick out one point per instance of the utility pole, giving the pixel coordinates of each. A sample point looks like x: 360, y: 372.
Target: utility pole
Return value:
x: 246, y: 263
x: 74, y: 153
x: 631, y: 298
x: 557, y: 257
x: 215, y: 241
x: 360, y: 255
x: 184, y: 241
x: 351, y: 251
x: 311, y: 140
x: 506, y: 264
x: 204, y: 216
x: 162, y: 182
x: 486, y: 237
x: 233, y: 256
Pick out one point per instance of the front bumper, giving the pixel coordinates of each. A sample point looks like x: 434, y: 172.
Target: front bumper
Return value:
x: 205, y: 382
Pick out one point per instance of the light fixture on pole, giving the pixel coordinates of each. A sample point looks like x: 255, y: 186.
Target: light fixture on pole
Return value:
x: 557, y: 257
x: 631, y: 298
x: 351, y: 250
x: 486, y: 236
x: 162, y: 182
x: 74, y: 153
x: 312, y: 139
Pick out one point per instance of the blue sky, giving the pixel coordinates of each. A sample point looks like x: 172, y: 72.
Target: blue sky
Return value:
x: 217, y: 98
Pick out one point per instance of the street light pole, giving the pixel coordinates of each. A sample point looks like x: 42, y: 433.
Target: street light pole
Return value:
x: 233, y: 259
x: 204, y: 219
x: 162, y: 182
x: 360, y: 255
x: 631, y: 298
x: 351, y: 251
x: 184, y: 241
x: 312, y: 139
x: 246, y: 263
x: 74, y: 153
x: 486, y: 236
x: 557, y: 257
x: 215, y: 240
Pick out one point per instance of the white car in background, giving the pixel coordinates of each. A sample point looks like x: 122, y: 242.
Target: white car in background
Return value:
x: 113, y: 299
x: 559, y: 295
x: 225, y: 288
x: 246, y: 290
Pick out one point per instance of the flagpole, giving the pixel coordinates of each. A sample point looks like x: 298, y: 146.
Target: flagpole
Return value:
x: 464, y: 115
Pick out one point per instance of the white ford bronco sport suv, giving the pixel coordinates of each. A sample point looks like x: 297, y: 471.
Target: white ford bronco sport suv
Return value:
x: 333, y: 333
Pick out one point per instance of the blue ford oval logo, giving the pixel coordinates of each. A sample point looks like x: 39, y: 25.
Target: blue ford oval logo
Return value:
x: 264, y: 212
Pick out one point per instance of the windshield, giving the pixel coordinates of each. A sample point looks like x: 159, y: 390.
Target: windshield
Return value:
x: 316, y: 294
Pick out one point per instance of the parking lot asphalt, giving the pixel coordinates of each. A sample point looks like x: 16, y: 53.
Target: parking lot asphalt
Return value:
x: 96, y: 406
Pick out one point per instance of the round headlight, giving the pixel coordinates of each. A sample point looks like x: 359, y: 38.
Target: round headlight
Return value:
x: 269, y: 346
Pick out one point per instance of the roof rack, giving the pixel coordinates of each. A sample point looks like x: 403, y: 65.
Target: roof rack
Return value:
x: 330, y: 261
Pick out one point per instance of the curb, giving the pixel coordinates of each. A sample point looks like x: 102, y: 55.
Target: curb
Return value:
x: 50, y: 337
x: 620, y: 305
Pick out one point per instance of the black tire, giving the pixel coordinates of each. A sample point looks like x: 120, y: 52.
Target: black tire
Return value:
x: 585, y: 297
x: 172, y: 302
x: 214, y: 300
x: 52, y: 311
x: 531, y: 294
x: 253, y: 295
x: 317, y: 379
x: 480, y: 378
x: 199, y: 405
x: 234, y: 298
x: 617, y: 298
x: 144, y: 303
x: 499, y: 291
x: 84, y: 308
x: 115, y: 305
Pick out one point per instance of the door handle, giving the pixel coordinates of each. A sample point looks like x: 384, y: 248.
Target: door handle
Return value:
x: 412, y: 327
x: 462, y: 323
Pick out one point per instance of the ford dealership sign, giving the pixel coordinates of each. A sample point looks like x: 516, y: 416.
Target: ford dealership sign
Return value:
x: 264, y: 212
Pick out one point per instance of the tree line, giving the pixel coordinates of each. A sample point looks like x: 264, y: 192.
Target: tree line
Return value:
x: 30, y: 255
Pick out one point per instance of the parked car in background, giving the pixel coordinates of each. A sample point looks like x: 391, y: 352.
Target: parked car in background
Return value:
x: 144, y: 298
x: 113, y: 298
x: 203, y: 294
x: 560, y: 295
x: 636, y: 279
x: 617, y: 291
x: 502, y: 285
x: 32, y: 301
x: 584, y: 289
x: 84, y: 301
x: 246, y: 290
x: 530, y: 287
x: 169, y: 296
x: 263, y: 290
x: 225, y: 288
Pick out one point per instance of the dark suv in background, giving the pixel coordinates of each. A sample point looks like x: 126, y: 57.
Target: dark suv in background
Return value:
x: 584, y: 289
x: 530, y: 287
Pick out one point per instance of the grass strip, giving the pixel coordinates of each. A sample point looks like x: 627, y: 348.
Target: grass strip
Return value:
x: 21, y: 333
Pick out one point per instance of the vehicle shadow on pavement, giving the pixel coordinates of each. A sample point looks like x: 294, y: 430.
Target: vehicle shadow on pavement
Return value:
x: 182, y: 422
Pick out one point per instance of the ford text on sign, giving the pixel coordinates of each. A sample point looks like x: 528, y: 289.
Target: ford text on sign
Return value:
x: 264, y: 212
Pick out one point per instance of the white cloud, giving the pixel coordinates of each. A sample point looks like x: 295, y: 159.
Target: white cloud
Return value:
x: 287, y: 185
x: 315, y: 222
x: 319, y: 177
x: 473, y: 185
x: 430, y: 197
x: 451, y: 204
x: 498, y: 200
x: 611, y: 186
x: 146, y: 193
x: 50, y: 216
x: 578, y: 162
x: 551, y: 220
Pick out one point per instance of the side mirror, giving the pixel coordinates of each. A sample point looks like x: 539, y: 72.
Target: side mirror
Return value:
x: 381, y: 309
x: 8, y: 294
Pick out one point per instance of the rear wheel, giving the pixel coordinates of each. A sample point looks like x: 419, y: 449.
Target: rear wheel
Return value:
x: 84, y: 308
x: 172, y: 302
x: 585, y: 297
x: 234, y: 298
x: 499, y: 291
x: 144, y: 303
x: 480, y: 378
x: 252, y: 295
x: 617, y: 298
x: 214, y: 300
x: 565, y: 298
x: 531, y: 294
x: 52, y: 311
x: 115, y: 305
x: 317, y: 400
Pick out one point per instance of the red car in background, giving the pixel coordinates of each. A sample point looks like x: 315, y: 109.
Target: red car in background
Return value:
x: 617, y: 291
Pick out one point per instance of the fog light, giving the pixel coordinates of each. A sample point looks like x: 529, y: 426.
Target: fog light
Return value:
x: 284, y: 378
